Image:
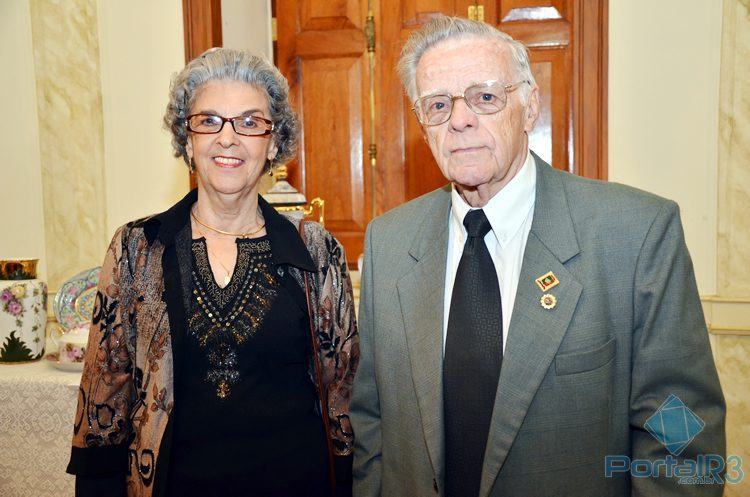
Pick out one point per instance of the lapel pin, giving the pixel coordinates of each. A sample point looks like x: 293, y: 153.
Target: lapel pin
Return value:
x: 548, y: 301
x: 547, y: 281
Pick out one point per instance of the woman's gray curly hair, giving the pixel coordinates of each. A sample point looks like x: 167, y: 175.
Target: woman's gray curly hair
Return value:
x: 232, y: 65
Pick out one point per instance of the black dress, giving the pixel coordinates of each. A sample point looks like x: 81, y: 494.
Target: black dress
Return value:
x: 245, y: 420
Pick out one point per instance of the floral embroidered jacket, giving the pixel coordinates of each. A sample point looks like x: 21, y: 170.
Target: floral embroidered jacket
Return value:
x: 126, y: 397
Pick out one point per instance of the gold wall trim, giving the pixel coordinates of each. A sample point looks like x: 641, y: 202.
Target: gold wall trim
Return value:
x: 372, y: 149
x: 727, y: 315
x: 728, y: 330
x: 725, y: 300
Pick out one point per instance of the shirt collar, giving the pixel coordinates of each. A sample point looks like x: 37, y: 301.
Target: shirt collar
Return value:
x: 286, y: 244
x: 507, y: 209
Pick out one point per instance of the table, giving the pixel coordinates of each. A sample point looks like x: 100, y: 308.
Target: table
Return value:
x: 37, y: 407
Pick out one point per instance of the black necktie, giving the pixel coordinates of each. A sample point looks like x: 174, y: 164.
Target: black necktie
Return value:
x: 473, y: 356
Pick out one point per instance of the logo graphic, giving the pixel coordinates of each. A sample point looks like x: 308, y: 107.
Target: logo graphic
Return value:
x: 674, y: 425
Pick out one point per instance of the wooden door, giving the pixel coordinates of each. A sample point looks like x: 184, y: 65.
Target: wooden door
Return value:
x: 322, y: 51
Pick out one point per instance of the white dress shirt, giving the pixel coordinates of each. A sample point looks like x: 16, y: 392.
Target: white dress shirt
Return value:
x: 510, y: 213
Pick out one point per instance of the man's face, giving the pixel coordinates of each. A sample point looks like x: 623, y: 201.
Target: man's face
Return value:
x: 476, y: 152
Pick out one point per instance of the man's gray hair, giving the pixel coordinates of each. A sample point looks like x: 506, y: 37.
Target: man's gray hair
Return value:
x: 232, y: 65
x: 445, y: 28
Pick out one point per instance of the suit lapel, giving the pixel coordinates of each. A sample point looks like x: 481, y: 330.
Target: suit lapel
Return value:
x: 420, y: 293
x: 535, y: 332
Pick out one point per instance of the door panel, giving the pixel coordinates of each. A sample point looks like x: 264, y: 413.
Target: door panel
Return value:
x: 515, y: 10
x: 550, y: 137
x: 414, y: 13
x: 322, y: 51
x: 331, y: 14
x: 332, y: 101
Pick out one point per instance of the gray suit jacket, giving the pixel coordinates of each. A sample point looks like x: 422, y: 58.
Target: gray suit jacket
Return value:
x: 578, y: 381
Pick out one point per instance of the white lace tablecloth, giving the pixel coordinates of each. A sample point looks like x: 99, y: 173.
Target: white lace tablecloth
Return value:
x: 37, y: 407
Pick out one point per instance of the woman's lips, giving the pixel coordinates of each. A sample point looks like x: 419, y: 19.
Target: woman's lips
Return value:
x: 228, y: 162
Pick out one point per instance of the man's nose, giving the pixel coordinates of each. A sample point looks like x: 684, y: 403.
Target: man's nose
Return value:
x: 462, y: 116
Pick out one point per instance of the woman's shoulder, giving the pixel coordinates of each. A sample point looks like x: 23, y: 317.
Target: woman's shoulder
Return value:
x: 319, y: 241
x: 316, y: 231
x: 133, y: 232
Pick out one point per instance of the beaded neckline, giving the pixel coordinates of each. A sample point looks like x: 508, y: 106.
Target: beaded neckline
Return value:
x: 225, y: 318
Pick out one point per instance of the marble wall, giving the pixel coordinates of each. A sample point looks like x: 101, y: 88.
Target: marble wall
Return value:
x: 732, y: 354
x: 728, y: 313
x: 734, y: 152
x: 70, y: 127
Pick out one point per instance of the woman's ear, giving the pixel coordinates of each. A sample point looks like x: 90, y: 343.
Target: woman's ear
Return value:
x: 273, y: 149
x: 189, y: 148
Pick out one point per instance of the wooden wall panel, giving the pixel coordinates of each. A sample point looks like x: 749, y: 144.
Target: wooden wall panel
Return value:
x: 202, y: 23
x: 590, y: 59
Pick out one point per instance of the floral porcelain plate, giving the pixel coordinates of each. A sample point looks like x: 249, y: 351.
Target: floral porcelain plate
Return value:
x: 74, y: 302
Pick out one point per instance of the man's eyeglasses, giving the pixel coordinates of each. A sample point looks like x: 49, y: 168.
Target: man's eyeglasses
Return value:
x: 484, y: 98
x: 208, y: 124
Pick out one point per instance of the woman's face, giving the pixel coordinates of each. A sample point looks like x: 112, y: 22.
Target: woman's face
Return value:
x: 227, y: 162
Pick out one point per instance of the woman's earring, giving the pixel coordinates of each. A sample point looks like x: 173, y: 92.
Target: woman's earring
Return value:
x: 191, y: 166
x: 270, y: 168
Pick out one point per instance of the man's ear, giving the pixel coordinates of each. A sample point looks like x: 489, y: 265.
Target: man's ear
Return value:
x: 532, y: 110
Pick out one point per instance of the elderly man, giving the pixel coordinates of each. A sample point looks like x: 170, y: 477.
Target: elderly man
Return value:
x: 524, y: 332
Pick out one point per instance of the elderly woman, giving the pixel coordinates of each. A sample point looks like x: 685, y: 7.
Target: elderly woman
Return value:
x: 223, y: 343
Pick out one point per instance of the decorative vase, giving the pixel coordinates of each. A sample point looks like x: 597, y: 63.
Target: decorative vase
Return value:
x: 23, y: 318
